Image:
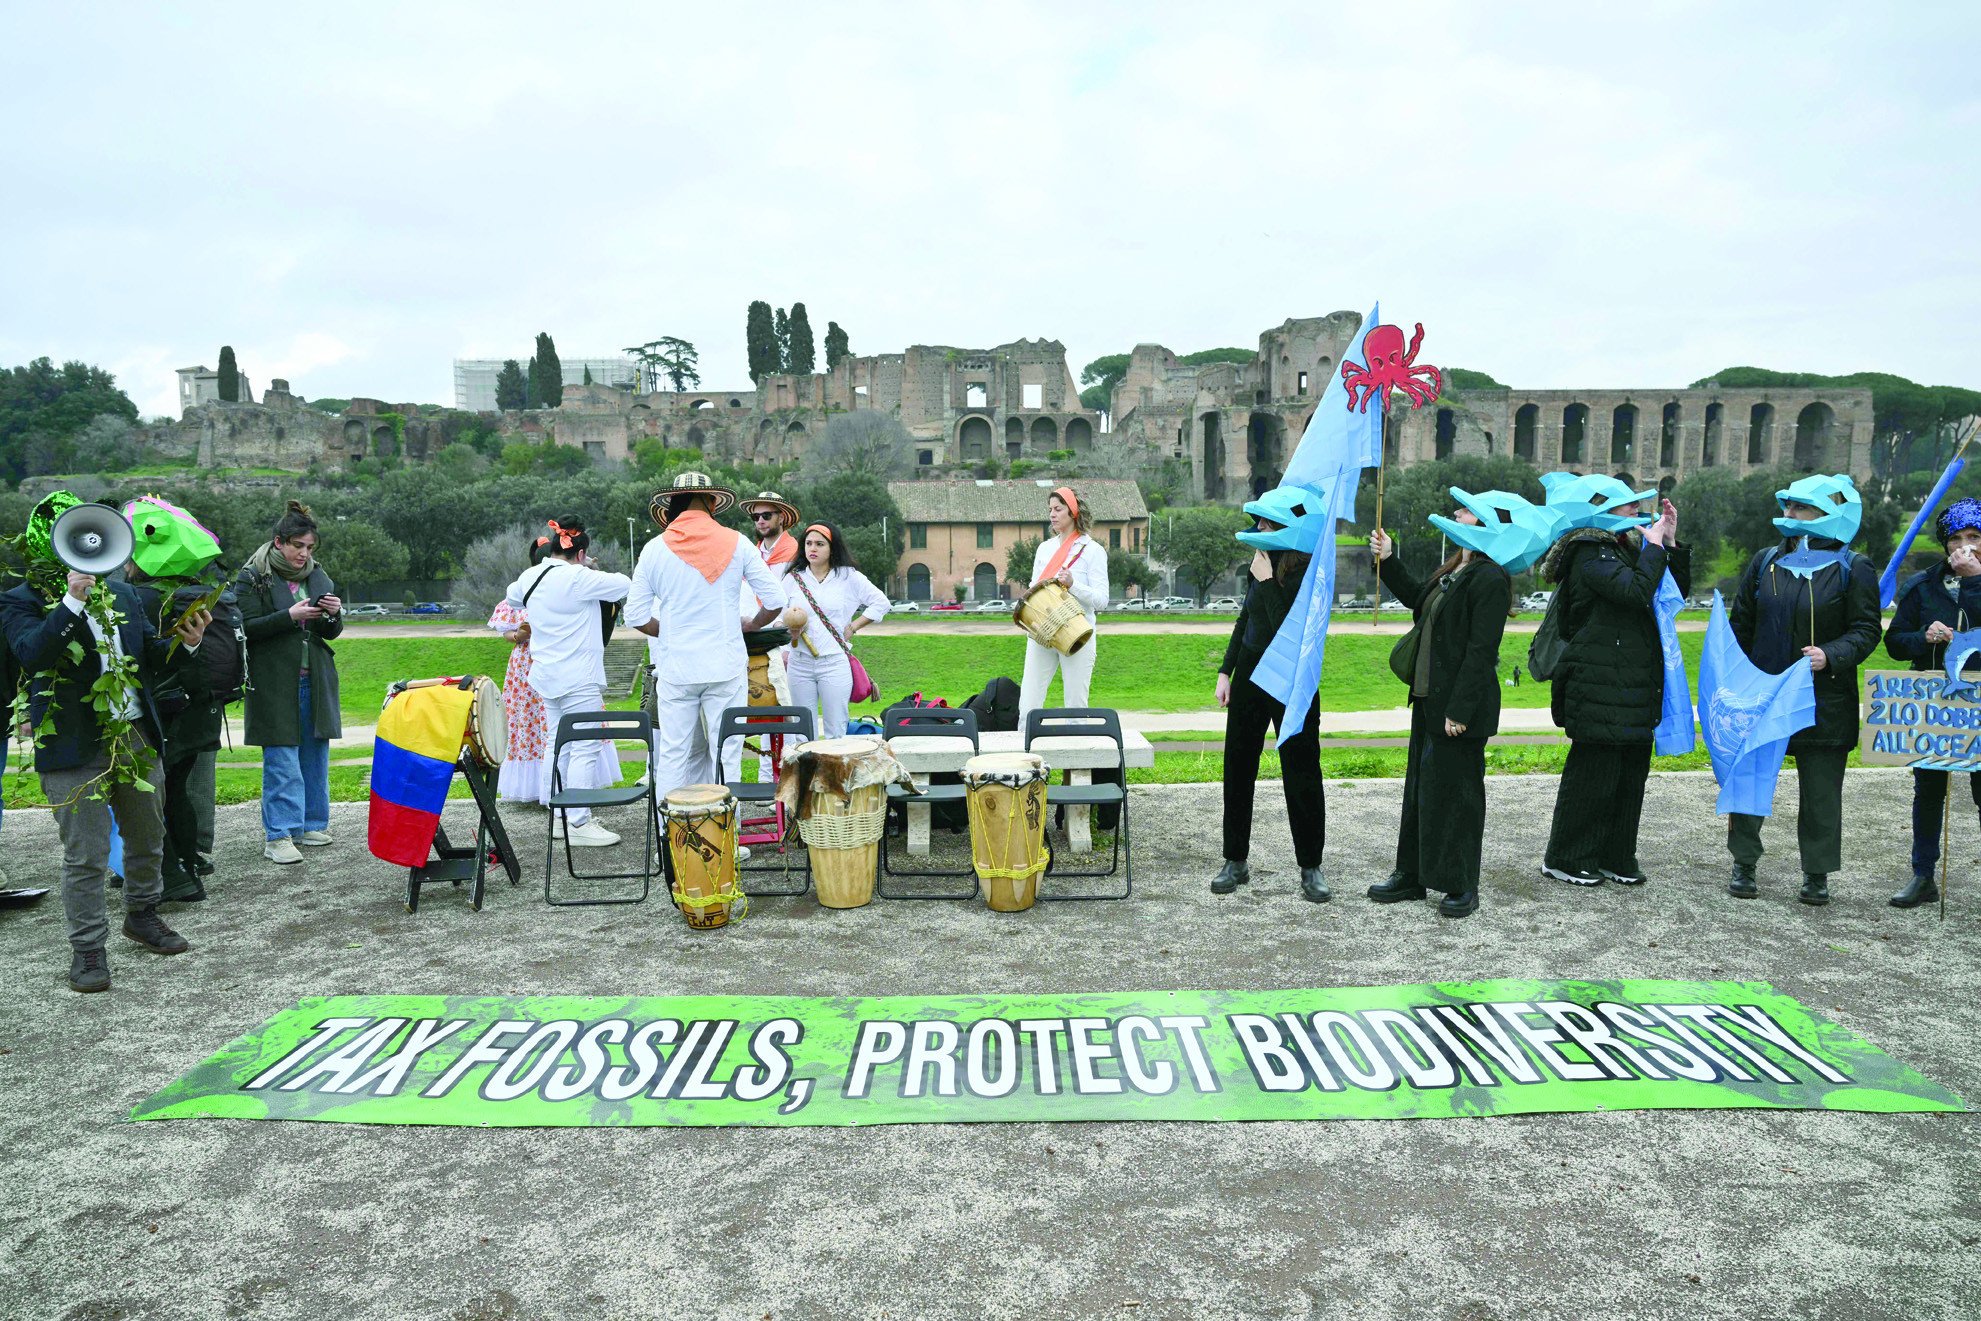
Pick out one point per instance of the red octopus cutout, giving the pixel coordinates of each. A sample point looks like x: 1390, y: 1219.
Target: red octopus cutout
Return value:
x: 1390, y: 367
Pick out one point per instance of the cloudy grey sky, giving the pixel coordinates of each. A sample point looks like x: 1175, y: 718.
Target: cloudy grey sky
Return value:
x: 1566, y: 195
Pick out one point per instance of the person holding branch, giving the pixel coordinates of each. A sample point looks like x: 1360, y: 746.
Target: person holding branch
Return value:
x: 1076, y: 562
x: 1809, y: 596
x: 1932, y: 607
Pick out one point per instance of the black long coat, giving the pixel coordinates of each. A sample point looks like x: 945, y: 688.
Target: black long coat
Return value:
x: 1465, y: 642
x: 1772, y: 621
x: 277, y: 646
x: 1610, y: 685
x: 192, y: 715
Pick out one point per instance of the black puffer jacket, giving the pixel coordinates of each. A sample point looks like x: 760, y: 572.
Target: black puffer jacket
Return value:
x: 1772, y: 620
x: 1610, y: 685
x: 1937, y: 596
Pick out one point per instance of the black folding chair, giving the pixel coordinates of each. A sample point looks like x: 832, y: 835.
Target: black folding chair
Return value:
x: 585, y: 727
x: 927, y: 722
x: 794, y: 725
x: 1087, y: 722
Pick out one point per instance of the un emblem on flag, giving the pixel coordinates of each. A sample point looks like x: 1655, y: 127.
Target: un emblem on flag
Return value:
x: 1728, y: 718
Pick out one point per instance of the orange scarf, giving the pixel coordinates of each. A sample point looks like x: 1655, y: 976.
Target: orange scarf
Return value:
x: 705, y: 544
x: 782, y: 551
x: 1062, y: 558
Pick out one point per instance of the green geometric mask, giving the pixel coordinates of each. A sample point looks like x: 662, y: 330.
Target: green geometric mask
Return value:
x: 36, y: 541
x: 171, y: 543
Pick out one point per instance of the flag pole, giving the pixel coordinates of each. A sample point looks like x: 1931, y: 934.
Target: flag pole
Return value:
x: 1946, y: 841
x: 1382, y: 467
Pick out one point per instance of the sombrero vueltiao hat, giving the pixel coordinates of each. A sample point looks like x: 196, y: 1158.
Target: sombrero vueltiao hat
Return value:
x: 690, y: 483
x: 775, y: 501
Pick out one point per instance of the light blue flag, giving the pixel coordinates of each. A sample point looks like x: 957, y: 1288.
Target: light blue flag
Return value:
x: 1674, y: 735
x: 1748, y: 715
x: 1329, y: 461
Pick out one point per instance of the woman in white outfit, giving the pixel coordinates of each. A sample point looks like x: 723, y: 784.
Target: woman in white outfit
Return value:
x: 1076, y: 562
x: 827, y: 600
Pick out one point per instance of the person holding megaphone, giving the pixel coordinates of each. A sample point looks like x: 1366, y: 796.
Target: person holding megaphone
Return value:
x: 89, y: 656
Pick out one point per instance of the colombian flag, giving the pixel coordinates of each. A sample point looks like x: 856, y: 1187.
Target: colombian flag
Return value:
x: 412, y: 762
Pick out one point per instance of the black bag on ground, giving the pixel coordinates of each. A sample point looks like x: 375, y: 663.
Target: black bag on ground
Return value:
x: 996, y: 706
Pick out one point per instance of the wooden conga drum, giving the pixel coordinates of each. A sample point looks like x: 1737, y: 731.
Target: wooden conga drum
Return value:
x: 701, y: 823
x: 843, y: 815
x: 1007, y: 801
x: 759, y: 644
x: 1051, y: 616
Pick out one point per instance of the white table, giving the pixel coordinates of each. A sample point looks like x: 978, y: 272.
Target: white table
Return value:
x: 924, y: 754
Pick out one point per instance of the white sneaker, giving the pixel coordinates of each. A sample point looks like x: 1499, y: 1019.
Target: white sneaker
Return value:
x: 742, y: 853
x: 282, y: 851
x: 315, y: 839
x: 591, y: 835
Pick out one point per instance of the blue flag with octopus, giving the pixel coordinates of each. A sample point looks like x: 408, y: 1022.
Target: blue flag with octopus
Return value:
x: 1329, y: 461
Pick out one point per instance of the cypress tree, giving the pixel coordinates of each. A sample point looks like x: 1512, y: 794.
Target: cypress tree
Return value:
x: 511, y: 391
x: 760, y: 339
x: 230, y: 376
x: 781, y: 325
x: 588, y: 374
x: 801, y: 355
x: 548, y: 373
x: 835, y: 345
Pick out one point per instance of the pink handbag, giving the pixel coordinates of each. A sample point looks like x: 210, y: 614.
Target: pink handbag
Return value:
x: 863, y: 687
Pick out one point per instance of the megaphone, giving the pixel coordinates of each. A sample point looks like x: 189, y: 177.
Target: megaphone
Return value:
x: 92, y: 539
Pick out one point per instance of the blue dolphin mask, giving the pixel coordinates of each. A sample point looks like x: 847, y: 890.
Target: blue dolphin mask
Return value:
x: 1512, y: 532
x: 1836, y: 496
x: 1297, y: 510
x: 1583, y: 501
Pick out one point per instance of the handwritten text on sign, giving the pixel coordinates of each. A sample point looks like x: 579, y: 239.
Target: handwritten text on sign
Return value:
x: 1910, y: 719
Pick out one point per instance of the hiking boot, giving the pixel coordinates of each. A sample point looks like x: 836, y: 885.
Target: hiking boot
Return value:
x: 282, y: 850
x: 89, y: 970
x: 315, y: 839
x: 1741, y: 884
x: 1815, y: 889
x: 1622, y: 877
x: 1923, y: 890
x: 146, y: 927
x: 1459, y: 905
x: 1578, y: 876
x: 1230, y: 876
x: 1397, y: 889
x: 1314, y: 885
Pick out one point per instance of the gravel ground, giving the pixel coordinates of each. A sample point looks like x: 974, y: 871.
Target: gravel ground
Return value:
x: 1668, y: 1214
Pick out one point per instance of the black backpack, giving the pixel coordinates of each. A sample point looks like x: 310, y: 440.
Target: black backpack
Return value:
x: 996, y: 706
x: 222, y: 660
x: 1544, y: 653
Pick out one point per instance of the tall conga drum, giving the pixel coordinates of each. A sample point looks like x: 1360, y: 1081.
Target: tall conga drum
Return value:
x: 701, y: 823
x: 842, y: 810
x: 1007, y: 801
x: 759, y: 644
x: 1052, y: 617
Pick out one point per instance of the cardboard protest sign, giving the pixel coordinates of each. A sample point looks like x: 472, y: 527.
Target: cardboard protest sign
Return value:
x: 1921, y: 719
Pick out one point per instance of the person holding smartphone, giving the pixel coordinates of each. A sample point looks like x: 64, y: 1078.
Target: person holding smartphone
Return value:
x: 291, y: 613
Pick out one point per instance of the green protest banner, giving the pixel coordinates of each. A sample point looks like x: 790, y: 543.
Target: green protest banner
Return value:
x: 1388, y: 1052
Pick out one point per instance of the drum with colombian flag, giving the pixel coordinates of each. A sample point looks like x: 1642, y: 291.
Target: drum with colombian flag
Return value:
x: 419, y: 738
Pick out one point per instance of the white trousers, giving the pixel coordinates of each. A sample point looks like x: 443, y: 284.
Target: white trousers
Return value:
x: 1076, y: 674
x: 822, y: 685
x: 593, y: 764
x: 688, y: 715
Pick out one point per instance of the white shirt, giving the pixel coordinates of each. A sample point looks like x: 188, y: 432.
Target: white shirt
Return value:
x: 1089, y: 571
x: 567, y: 647
x: 844, y: 592
x: 704, y: 639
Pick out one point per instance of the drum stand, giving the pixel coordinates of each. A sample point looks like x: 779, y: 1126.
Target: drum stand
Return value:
x: 454, y: 863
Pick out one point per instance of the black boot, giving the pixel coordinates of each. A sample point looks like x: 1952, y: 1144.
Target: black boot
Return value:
x: 89, y: 970
x: 1815, y: 889
x: 1923, y: 890
x: 181, y: 887
x: 1230, y: 876
x: 148, y: 929
x: 1463, y: 904
x: 1741, y: 884
x: 1314, y: 885
x: 1397, y: 889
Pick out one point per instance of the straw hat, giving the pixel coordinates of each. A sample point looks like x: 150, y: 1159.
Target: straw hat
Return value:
x: 690, y: 483
x: 775, y: 501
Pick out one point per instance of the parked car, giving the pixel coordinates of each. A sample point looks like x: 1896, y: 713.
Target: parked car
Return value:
x: 1536, y: 600
x: 428, y: 608
x: 1178, y: 603
x: 1358, y: 603
x: 1224, y: 605
x: 1700, y: 603
x: 903, y: 608
x: 994, y: 606
x: 355, y: 611
x: 947, y: 607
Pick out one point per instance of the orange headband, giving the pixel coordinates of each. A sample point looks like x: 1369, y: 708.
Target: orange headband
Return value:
x: 822, y: 530
x: 1065, y: 493
x: 563, y: 537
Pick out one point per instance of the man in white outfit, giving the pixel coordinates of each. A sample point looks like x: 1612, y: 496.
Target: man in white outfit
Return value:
x: 685, y: 589
x: 567, y: 662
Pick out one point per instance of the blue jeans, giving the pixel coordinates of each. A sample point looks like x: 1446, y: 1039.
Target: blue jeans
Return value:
x: 295, y: 782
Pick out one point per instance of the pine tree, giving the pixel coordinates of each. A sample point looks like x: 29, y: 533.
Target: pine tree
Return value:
x: 511, y: 390
x: 781, y: 327
x: 588, y: 374
x: 760, y: 339
x: 835, y: 346
x: 804, y: 355
x: 230, y: 376
x: 547, y: 373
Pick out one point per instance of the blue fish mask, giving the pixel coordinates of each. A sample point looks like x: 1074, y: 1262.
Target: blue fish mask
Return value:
x: 1512, y: 532
x: 1299, y: 513
x: 1961, y: 649
x: 1836, y: 496
x: 1584, y: 501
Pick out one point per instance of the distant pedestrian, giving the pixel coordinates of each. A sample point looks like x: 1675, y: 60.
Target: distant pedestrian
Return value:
x: 1516, y: 676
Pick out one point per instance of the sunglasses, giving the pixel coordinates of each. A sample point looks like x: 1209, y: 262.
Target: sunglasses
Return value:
x: 762, y: 514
